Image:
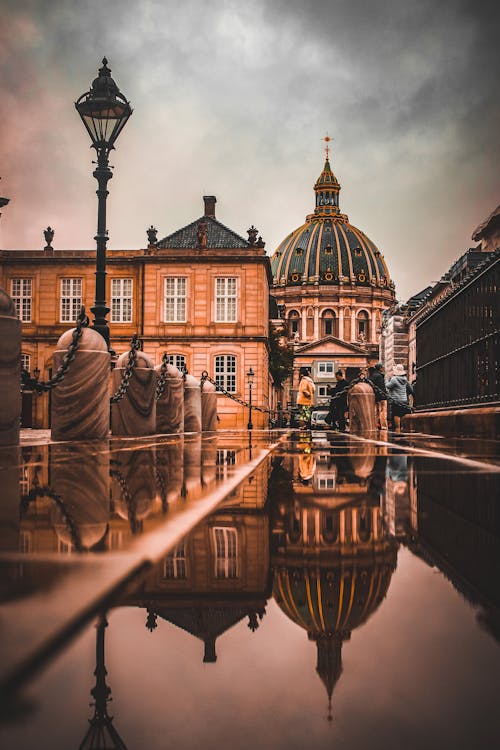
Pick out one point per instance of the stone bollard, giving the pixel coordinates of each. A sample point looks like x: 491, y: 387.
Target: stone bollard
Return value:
x: 133, y: 488
x: 170, y: 405
x: 80, y: 402
x: 79, y: 476
x: 192, y: 404
x: 135, y: 413
x: 10, y: 371
x: 362, y: 416
x: 208, y: 407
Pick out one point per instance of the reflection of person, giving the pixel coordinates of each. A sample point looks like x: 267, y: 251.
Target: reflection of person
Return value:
x: 307, y: 466
x: 399, y: 390
x: 377, y: 378
x: 305, y: 396
x: 338, y: 402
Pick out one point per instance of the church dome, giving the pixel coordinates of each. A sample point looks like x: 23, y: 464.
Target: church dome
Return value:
x: 327, y: 249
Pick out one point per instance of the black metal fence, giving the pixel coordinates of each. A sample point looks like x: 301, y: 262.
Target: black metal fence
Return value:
x: 458, y: 345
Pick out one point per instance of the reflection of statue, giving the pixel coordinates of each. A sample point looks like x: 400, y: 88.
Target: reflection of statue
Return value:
x: 201, y: 235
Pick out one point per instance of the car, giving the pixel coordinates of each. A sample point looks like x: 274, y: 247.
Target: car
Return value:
x: 318, y: 418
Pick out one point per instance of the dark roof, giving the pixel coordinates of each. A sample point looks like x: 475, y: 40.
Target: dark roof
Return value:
x: 218, y: 236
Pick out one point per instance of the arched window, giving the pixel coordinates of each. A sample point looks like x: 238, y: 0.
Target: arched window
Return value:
x: 225, y: 372
x: 330, y: 527
x: 329, y: 320
x: 177, y: 360
x: 293, y: 322
x: 363, y: 326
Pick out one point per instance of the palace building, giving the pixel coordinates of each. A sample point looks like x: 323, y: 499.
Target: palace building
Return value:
x: 332, y: 285
x: 201, y: 294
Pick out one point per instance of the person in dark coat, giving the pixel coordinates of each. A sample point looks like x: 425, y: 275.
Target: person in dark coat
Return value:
x: 338, y: 402
x: 378, y: 381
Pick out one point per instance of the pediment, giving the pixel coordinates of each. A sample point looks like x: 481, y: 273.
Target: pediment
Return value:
x: 330, y: 345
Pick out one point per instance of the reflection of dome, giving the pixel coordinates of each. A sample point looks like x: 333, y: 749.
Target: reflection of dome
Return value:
x: 327, y: 248
x: 329, y: 597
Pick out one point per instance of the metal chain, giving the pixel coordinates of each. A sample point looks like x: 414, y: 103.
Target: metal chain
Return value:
x: 116, y: 474
x: 135, y: 344
x: 162, y: 380
x: 47, y: 491
x: 42, y: 386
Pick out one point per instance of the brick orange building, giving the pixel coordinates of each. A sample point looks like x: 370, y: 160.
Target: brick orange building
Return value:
x: 201, y: 294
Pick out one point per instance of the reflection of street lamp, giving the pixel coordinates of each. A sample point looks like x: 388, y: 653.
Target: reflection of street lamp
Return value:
x: 104, y: 112
x: 250, y: 375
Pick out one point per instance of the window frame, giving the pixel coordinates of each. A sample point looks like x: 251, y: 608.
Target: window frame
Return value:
x: 172, y: 359
x: 71, y: 298
x: 223, y: 376
x: 21, y: 297
x: 225, y: 299
x: 175, y: 298
x: 122, y: 297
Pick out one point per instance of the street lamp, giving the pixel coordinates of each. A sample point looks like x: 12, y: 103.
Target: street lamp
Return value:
x: 250, y: 376
x: 104, y: 111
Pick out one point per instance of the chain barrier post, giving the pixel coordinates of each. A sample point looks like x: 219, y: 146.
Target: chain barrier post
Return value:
x: 133, y: 405
x: 10, y: 369
x: 133, y: 485
x: 170, y: 399
x: 79, y: 479
x: 208, y: 404
x: 361, y: 401
x: 79, y: 404
x: 192, y: 404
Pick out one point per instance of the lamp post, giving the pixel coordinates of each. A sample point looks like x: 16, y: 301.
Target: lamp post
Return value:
x: 104, y: 111
x: 250, y: 376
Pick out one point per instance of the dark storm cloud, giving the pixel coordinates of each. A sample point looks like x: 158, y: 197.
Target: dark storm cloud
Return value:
x: 233, y: 98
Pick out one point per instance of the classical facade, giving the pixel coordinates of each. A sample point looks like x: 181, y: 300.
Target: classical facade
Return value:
x: 332, y: 285
x: 201, y: 294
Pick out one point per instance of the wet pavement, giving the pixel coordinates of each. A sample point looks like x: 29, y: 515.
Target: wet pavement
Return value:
x: 302, y: 590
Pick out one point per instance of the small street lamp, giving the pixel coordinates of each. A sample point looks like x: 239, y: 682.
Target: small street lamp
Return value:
x: 104, y: 111
x: 250, y: 376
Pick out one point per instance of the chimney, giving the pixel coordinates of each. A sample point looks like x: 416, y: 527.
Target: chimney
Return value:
x: 210, y: 201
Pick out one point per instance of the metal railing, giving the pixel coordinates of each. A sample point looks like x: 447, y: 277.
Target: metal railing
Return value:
x: 458, y: 345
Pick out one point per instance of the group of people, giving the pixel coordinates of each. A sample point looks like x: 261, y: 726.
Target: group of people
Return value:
x: 397, y: 389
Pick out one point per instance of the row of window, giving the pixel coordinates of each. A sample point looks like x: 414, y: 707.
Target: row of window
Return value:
x: 224, y: 367
x: 225, y: 542
x: 329, y: 323
x: 175, y: 290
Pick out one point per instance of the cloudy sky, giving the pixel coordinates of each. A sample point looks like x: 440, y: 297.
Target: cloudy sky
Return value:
x: 232, y: 98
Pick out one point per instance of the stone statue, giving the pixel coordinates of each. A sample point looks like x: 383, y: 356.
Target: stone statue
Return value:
x: 152, y: 235
x: 201, y: 235
x: 49, y: 236
x: 252, y: 235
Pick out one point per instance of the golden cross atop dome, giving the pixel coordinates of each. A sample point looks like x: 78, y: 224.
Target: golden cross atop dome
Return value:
x: 327, y: 140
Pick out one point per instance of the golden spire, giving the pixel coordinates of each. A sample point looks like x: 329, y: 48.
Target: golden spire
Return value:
x: 327, y: 140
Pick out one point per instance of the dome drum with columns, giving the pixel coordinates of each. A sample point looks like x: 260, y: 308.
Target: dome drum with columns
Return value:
x: 328, y: 277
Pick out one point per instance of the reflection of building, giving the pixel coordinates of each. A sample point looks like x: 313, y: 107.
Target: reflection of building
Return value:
x: 332, y: 284
x: 331, y: 558
x: 200, y: 293
x: 218, y: 574
x: 459, y: 532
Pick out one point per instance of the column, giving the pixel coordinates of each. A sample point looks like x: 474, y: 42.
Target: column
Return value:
x: 353, y: 324
x: 316, y: 324
x: 303, y: 314
x: 373, y: 337
x: 340, y: 331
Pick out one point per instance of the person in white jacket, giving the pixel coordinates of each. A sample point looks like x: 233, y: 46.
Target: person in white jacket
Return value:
x: 399, y: 391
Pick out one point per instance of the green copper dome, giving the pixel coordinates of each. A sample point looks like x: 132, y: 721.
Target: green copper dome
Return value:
x: 327, y: 249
